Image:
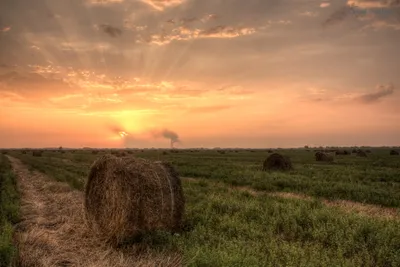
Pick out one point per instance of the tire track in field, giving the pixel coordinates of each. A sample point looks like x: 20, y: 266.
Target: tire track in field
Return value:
x: 52, y: 231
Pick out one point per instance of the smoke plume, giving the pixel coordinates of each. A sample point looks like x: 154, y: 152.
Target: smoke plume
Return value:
x: 168, y: 134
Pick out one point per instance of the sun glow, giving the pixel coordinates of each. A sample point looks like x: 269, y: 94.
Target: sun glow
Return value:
x: 122, y: 134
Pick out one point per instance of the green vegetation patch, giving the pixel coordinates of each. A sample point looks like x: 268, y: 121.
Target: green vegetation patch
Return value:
x: 9, y: 211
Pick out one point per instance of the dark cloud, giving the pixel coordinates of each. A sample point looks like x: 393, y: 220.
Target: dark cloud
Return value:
x: 110, y: 30
x: 382, y: 91
x: 339, y: 15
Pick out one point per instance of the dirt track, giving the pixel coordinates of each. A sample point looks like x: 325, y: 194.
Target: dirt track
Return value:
x: 53, y: 232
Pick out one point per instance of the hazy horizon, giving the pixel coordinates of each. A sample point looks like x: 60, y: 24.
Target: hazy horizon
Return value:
x: 199, y: 73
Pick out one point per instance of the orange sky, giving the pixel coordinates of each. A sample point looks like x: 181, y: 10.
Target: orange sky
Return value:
x: 256, y: 73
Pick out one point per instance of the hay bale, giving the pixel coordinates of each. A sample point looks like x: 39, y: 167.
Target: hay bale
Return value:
x: 126, y: 197
x: 277, y: 162
x: 322, y: 156
x: 394, y: 152
x: 361, y: 153
x: 342, y: 152
x: 37, y: 153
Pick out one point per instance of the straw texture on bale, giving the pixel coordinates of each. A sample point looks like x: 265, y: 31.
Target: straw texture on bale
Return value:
x: 277, y: 162
x: 394, y: 153
x: 126, y: 197
x: 322, y: 156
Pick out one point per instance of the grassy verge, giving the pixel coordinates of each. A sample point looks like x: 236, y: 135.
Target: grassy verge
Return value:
x: 9, y: 212
x: 233, y: 228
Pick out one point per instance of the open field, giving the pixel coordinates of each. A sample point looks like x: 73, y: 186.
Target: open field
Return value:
x: 344, y: 213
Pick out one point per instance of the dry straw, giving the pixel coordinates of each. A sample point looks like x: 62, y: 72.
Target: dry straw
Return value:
x: 127, y: 196
x: 277, y: 162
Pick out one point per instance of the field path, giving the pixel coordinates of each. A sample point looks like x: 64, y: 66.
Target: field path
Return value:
x: 345, y: 205
x: 52, y: 231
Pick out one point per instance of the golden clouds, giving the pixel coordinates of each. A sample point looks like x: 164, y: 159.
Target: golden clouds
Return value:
x: 160, y: 5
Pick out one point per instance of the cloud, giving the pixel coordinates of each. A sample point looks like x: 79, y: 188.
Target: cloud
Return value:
x: 309, y: 14
x: 110, y: 30
x: 366, y: 4
x: 209, y: 109
x: 330, y: 96
x: 161, y: 5
x: 381, y: 92
x: 5, y: 29
x: 104, y: 2
x: 33, y: 85
x: 338, y: 15
x: 183, y: 33
x: 379, y: 24
x: 324, y: 5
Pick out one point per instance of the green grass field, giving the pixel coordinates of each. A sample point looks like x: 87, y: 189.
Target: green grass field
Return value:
x: 9, y: 211
x: 229, y: 227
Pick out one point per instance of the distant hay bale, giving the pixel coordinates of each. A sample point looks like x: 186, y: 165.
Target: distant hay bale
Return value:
x: 37, y: 153
x: 165, y: 153
x: 322, y: 156
x: 394, y: 152
x: 23, y: 152
x: 126, y: 197
x: 361, y: 153
x: 4, y: 152
x: 342, y: 152
x: 270, y: 151
x: 95, y: 152
x: 277, y: 162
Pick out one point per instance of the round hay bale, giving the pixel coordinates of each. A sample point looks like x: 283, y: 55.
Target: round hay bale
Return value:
x: 326, y: 157
x: 126, y: 197
x: 342, y: 152
x: 361, y: 153
x: 394, y: 152
x: 37, y: 153
x: 277, y: 162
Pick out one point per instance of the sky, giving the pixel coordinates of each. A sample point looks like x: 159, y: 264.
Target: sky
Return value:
x: 199, y: 73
